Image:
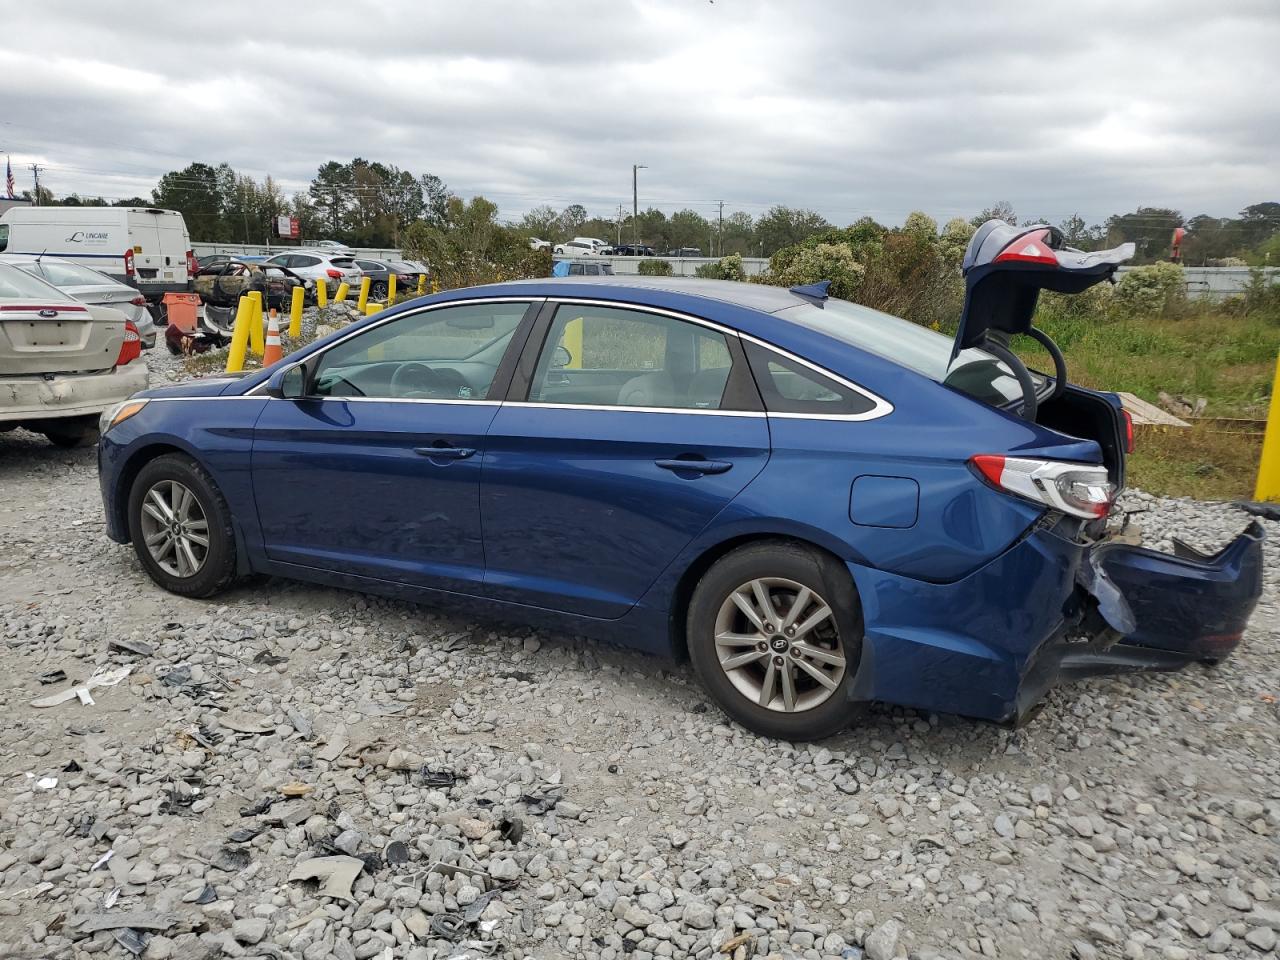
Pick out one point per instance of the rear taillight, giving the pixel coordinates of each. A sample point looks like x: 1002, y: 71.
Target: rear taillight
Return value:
x: 1079, y: 489
x: 1128, y: 431
x: 128, y: 263
x: 193, y: 266
x: 336, y: 274
x: 1029, y: 248
x: 131, y: 349
x: 139, y: 301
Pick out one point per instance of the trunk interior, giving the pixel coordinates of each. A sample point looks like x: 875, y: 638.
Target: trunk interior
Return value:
x: 1080, y: 413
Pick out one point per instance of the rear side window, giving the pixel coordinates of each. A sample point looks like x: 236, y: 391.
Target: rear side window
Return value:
x: 791, y: 387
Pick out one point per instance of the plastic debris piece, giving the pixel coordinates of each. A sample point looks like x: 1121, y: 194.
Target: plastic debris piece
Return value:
x: 177, y: 677
x: 137, y: 919
x: 454, y: 869
x: 476, y: 907
x: 244, y: 834
x: 300, y: 723
x: 84, y: 826
x: 336, y: 873
x: 47, y: 783
x: 259, y: 808
x: 102, y: 860
x: 204, y: 736
x: 110, y: 897
x: 132, y: 646
x: 135, y: 941
x: 207, y: 895
x: 242, y: 723
x: 542, y: 800
x: 733, y: 943
x: 53, y: 676
x: 447, y: 925
x: 269, y: 659
x: 72, y: 767
x: 231, y: 859
x: 296, y: 789
x: 100, y: 678
x: 397, y: 852
x: 439, y: 779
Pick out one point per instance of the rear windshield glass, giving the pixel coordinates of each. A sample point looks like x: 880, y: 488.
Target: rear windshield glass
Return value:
x: 975, y: 372
x: 15, y: 283
x: 342, y: 261
x: 65, y: 274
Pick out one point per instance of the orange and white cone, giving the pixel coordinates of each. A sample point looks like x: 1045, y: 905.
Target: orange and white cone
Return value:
x: 272, y: 352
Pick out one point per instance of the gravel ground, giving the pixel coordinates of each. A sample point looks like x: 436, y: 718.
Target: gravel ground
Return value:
x: 508, y: 793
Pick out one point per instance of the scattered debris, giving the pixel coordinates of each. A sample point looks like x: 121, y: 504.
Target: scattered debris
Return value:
x: 337, y: 874
x: 542, y: 800
x: 269, y: 659
x: 53, y: 676
x: 105, y: 858
x: 438, y: 779
x: 46, y: 783
x: 231, y: 859
x: 335, y: 747
x: 136, y: 647
x: 137, y: 919
x: 244, y: 834
x: 512, y: 829
x: 296, y: 789
x: 72, y: 767
x: 135, y: 941
x: 471, y: 913
x: 241, y: 723
x: 397, y: 852
x: 110, y: 897
x: 207, y: 895
x: 300, y: 723
x: 100, y: 678
x: 177, y: 677
x: 259, y: 808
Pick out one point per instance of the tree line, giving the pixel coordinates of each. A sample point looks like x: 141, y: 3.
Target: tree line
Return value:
x: 371, y: 204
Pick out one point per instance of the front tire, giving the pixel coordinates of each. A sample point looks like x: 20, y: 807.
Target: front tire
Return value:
x: 181, y: 527
x: 775, y: 636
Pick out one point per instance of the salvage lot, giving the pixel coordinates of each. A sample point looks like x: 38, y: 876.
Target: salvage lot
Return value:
x: 1134, y: 817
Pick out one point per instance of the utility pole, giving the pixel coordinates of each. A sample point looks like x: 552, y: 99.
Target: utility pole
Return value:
x: 35, y: 172
x: 635, y: 203
x: 619, y: 224
x: 721, y: 231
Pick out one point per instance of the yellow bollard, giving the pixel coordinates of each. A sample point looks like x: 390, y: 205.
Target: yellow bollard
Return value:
x: 322, y: 294
x: 573, y: 343
x: 239, y: 336
x: 422, y: 284
x: 370, y: 308
x: 257, y: 334
x: 295, y: 314
x: 341, y: 295
x: 1268, y: 487
x: 391, y: 289
x: 435, y: 286
x: 365, y: 283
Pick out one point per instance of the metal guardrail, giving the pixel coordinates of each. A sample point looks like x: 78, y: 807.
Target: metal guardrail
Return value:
x: 271, y: 249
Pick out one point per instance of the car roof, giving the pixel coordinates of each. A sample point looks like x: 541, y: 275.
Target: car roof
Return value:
x: 751, y: 296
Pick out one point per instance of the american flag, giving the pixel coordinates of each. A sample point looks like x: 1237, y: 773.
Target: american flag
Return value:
x: 8, y: 177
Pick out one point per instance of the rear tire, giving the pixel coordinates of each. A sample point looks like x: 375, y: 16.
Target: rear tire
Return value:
x: 779, y: 659
x: 75, y: 432
x: 173, y: 505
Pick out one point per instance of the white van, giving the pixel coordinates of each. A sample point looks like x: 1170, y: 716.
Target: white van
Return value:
x: 146, y: 248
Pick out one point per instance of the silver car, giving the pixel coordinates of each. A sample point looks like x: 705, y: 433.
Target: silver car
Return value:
x: 90, y: 286
x: 332, y: 268
x: 62, y: 363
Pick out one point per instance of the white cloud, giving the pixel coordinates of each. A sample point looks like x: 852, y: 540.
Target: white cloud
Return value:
x: 1091, y: 106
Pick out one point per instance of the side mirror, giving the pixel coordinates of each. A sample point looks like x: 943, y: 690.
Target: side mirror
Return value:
x: 289, y: 383
x: 561, y: 358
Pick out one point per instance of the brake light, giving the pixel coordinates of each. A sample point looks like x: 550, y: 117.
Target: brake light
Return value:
x: 1128, y: 430
x: 1079, y: 489
x: 131, y: 349
x: 128, y: 263
x: 336, y: 274
x: 139, y: 301
x: 1029, y: 248
x: 193, y: 265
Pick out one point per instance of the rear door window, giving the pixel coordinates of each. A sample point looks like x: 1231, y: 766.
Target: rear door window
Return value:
x: 791, y: 387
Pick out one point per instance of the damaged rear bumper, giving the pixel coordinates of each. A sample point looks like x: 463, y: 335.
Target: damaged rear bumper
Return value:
x: 1050, y: 608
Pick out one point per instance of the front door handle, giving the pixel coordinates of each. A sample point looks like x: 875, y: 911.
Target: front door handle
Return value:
x: 695, y: 466
x: 445, y: 453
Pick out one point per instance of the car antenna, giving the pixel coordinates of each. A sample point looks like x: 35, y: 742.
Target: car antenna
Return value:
x: 815, y: 293
x: 41, y: 254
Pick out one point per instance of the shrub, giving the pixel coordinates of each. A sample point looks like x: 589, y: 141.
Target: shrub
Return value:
x: 654, y: 268
x: 726, y: 268
x: 920, y: 223
x: 955, y: 240
x: 467, y: 246
x: 826, y: 261
x: 1156, y: 290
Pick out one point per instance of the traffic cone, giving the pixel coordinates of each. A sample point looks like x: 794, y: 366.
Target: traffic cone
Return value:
x: 272, y: 352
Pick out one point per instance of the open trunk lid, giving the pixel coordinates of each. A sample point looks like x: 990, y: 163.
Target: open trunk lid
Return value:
x: 1005, y: 268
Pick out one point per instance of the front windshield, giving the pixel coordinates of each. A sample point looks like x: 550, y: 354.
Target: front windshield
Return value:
x: 16, y: 283
x: 974, y: 372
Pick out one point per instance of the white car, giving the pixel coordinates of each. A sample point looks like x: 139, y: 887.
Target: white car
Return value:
x: 90, y: 286
x: 536, y: 244
x: 332, y: 268
x: 62, y: 363
x: 579, y: 247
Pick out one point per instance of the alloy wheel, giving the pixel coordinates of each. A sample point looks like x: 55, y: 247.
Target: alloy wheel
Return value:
x: 776, y: 640
x: 175, y: 528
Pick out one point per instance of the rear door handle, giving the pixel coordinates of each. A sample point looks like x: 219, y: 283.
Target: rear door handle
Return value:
x: 695, y: 466
x: 445, y: 453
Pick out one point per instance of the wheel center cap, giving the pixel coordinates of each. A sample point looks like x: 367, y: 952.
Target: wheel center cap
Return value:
x: 780, y: 644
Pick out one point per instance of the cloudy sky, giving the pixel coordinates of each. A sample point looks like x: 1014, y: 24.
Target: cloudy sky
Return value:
x: 847, y: 108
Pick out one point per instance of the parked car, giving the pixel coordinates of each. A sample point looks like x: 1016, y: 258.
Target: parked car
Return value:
x: 632, y: 250
x: 684, y: 252
x: 90, y: 286
x: 577, y: 248
x: 815, y: 502
x: 143, y: 247
x: 380, y: 270
x: 332, y: 247
x: 208, y: 260
x: 536, y: 244
x: 62, y: 362
x: 331, y: 268
x: 579, y: 268
x: 223, y: 284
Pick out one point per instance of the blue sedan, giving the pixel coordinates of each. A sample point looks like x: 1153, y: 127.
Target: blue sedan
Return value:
x: 813, y: 502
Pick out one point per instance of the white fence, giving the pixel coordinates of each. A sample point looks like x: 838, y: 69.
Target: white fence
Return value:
x: 270, y: 250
